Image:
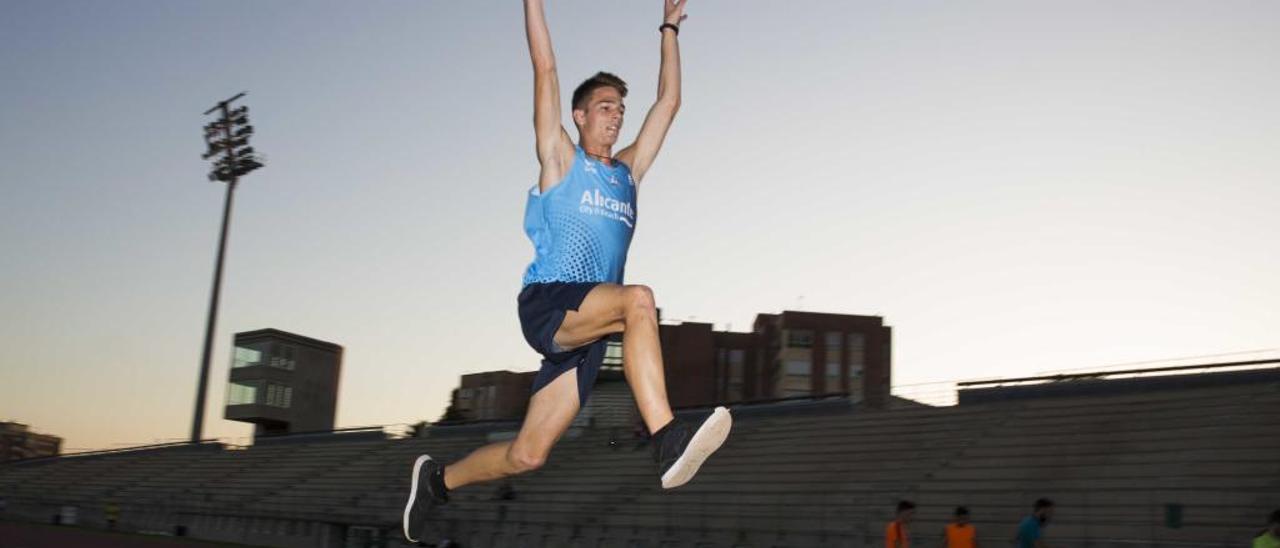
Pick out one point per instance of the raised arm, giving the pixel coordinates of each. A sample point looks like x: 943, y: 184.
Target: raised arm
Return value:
x: 554, y: 147
x: 640, y: 155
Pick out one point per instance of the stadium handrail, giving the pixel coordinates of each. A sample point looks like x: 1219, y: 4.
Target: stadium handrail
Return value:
x: 1105, y: 374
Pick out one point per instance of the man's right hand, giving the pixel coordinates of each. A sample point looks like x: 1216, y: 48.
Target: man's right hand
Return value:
x: 674, y: 12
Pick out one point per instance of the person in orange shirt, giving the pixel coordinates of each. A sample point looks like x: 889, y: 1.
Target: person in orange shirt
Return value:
x: 960, y: 533
x: 897, y: 534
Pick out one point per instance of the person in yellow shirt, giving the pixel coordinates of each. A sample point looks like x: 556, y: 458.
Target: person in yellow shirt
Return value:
x: 960, y: 533
x: 897, y: 534
x: 1270, y: 537
x: 112, y: 512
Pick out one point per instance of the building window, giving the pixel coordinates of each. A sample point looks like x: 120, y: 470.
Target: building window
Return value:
x: 247, y: 355
x: 277, y: 355
x: 612, y: 354
x: 279, y: 395
x: 796, y: 379
x: 834, y: 359
x: 464, y: 405
x: 857, y: 359
x: 486, y: 402
x: 797, y: 372
x: 799, y: 338
x: 282, y: 356
x: 798, y: 368
x: 722, y: 374
x: 243, y: 392
x: 857, y: 352
x: 737, y: 359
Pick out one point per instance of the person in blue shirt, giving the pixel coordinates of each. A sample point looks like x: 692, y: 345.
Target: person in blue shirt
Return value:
x: 580, y: 217
x: 1032, y: 527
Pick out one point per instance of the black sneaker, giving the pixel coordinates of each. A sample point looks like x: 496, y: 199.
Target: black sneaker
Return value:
x: 681, y: 451
x: 423, y: 496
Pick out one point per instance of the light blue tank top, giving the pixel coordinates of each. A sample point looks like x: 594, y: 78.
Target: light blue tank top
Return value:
x: 581, y: 228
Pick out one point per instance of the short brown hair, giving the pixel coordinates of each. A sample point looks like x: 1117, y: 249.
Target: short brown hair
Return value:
x: 600, y: 80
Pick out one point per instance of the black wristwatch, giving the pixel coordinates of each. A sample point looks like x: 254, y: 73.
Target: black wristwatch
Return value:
x: 671, y: 26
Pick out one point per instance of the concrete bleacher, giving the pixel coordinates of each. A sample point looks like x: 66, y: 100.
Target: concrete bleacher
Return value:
x: 1113, y: 463
x: 818, y: 474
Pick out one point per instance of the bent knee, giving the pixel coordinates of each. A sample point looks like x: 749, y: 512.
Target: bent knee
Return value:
x: 639, y: 299
x: 526, y: 461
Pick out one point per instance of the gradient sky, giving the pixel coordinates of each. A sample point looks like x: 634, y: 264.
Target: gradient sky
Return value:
x: 1015, y: 186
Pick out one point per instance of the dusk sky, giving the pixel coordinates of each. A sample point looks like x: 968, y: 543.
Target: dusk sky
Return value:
x: 1016, y: 187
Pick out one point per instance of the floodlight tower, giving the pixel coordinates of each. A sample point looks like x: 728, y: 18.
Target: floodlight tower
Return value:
x: 228, y: 141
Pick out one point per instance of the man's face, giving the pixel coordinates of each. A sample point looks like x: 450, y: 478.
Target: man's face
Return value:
x: 962, y: 519
x: 906, y: 516
x: 1045, y: 514
x: 602, y: 119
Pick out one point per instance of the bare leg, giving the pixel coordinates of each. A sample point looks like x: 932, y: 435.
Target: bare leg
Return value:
x: 551, y: 411
x: 630, y: 309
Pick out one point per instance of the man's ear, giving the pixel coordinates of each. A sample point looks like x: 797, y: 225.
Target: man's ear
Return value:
x: 579, y: 117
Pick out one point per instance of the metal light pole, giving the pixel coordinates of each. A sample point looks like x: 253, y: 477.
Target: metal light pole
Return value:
x: 228, y: 139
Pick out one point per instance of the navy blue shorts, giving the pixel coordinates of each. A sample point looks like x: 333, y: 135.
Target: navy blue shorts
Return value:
x: 543, y: 307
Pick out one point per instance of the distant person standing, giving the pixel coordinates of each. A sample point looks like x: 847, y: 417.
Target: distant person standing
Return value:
x: 897, y: 534
x: 1032, y: 527
x: 1270, y: 537
x: 960, y: 533
x: 112, y: 512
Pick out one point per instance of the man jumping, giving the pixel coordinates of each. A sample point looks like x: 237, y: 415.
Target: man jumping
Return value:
x: 580, y: 217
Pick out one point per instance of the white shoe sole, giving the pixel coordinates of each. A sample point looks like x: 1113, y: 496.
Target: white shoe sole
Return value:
x: 709, y: 437
x: 413, y: 495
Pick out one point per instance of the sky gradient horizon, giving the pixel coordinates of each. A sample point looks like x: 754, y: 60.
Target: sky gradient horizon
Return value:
x: 1016, y: 188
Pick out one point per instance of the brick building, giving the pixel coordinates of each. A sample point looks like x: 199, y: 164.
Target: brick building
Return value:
x: 494, y: 395
x: 17, y: 441
x: 787, y: 355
